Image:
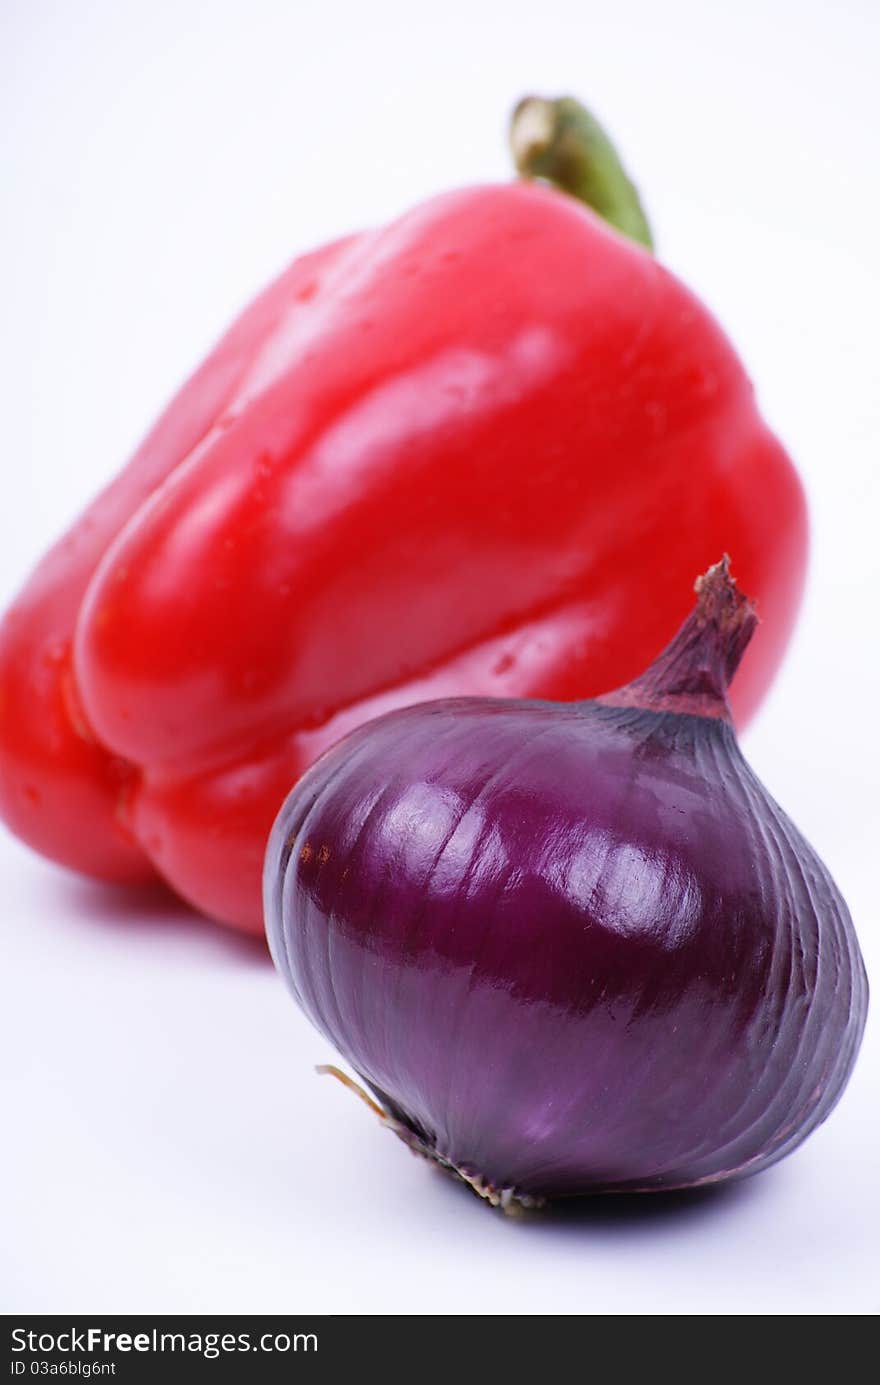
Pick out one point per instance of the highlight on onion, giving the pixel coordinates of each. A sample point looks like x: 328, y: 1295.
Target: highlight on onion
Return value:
x: 572, y: 947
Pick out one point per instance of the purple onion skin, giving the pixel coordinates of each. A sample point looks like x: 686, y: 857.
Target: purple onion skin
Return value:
x: 572, y: 947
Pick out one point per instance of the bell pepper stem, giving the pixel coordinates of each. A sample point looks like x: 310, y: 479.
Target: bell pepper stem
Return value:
x: 560, y: 142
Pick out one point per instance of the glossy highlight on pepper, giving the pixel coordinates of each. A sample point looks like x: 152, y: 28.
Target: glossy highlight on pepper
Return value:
x: 481, y: 450
x: 572, y: 947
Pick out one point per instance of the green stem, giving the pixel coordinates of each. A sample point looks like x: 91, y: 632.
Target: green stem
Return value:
x: 561, y: 143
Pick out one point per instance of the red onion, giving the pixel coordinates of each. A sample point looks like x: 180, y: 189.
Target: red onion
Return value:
x: 572, y: 947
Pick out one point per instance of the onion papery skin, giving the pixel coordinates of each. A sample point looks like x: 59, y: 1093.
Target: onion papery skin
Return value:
x: 570, y: 948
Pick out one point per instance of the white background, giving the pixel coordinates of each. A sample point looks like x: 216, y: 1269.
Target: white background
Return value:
x: 167, y: 1146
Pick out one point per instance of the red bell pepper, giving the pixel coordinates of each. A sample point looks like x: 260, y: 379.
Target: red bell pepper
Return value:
x: 482, y: 450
